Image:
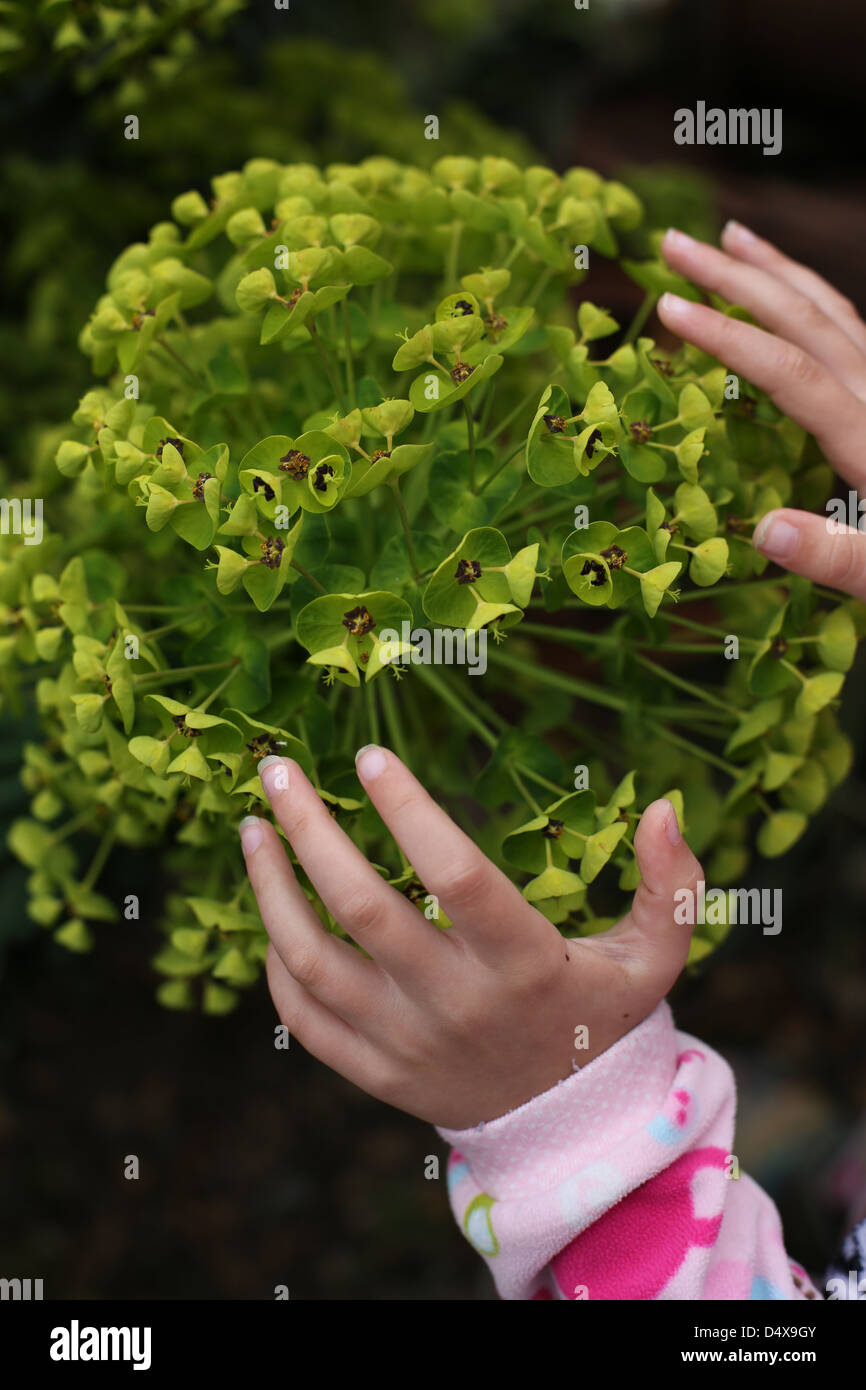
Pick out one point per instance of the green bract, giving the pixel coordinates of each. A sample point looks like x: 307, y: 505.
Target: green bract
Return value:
x: 346, y: 425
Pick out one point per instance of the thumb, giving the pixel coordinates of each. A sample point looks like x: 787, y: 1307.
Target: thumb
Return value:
x: 667, y: 867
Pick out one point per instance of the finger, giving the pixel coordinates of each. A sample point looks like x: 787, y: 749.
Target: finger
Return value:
x: 318, y: 1030
x: 743, y: 243
x: 774, y: 303
x: 815, y: 546
x: 375, y: 915
x: 667, y: 868
x: 330, y: 969
x: 485, y: 906
x: 793, y: 380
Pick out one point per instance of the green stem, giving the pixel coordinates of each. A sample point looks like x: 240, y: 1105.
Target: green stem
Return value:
x: 166, y: 347
x: 181, y: 672
x: 722, y: 589
x: 470, y: 430
x: 640, y: 317
x: 688, y: 686
x: 372, y: 713
x: 689, y: 746
x: 392, y: 721
x: 540, y: 285
x: 499, y: 467
x: 218, y: 690
x: 452, y: 259
x: 394, y: 484
x: 583, y: 690
x: 326, y: 363
x: 296, y: 565
x: 448, y: 697
x: 569, y: 635
x: 527, y: 797
x: 98, y: 862
x: 512, y: 415
x: 488, y: 402
x: 350, y: 361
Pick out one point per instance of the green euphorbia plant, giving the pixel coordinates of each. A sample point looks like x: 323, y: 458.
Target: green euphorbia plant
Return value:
x: 344, y: 412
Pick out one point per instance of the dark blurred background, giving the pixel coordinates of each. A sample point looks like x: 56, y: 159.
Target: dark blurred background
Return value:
x: 260, y: 1167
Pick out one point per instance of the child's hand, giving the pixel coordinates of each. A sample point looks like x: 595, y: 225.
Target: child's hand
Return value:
x: 812, y: 364
x: 461, y: 1025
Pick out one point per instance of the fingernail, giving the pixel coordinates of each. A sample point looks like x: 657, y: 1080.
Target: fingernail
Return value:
x: 673, y: 304
x: 677, y: 238
x: 672, y: 825
x: 272, y: 771
x: 370, y: 762
x: 775, y: 537
x: 251, y: 832
x: 737, y: 230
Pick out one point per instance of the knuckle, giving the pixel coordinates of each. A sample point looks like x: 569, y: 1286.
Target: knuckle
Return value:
x: 361, y: 910
x: 307, y: 966
x: 466, y: 882
x: 465, y: 1017
x: 847, y: 561
x: 810, y: 315
x: 797, y: 365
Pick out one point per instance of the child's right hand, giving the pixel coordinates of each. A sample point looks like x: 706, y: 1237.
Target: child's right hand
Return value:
x: 457, y: 1026
x: 812, y: 364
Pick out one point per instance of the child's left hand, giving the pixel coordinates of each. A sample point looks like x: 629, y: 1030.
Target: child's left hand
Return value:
x: 462, y: 1025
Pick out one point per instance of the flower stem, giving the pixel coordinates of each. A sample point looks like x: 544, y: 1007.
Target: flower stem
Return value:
x: 218, y: 690
x: 296, y: 565
x: 583, y: 690
x: 394, y: 484
x: 688, y: 686
x: 372, y: 712
x: 450, y: 698
x: 452, y: 259
x: 350, y: 361
x: 498, y: 469
x: 392, y: 721
x: 470, y: 429
x: 640, y: 317
x: 181, y: 672
x: 689, y: 746
x: 98, y: 861
x: 326, y: 363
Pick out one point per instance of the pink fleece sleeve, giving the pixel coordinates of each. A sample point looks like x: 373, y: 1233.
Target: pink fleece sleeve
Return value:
x: 620, y: 1183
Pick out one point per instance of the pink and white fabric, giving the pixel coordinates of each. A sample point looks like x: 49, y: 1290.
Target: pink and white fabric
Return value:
x: 622, y: 1182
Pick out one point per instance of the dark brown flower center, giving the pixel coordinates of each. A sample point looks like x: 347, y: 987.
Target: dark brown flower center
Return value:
x: 359, y: 621
x: 553, y: 829
x: 179, y: 722
x: 461, y: 372
x: 589, y: 448
x: 380, y: 454
x: 641, y: 431
x: 615, y: 556
x: 598, y: 571
x: 468, y: 571
x: 462, y: 307
x: 555, y: 423
x: 296, y: 464
x: 272, y: 552
x: 779, y: 647
x: 260, y: 485
x: 169, y: 439
x: 495, y: 323
x: 323, y: 472
x: 198, y: 486
x: 263, y: 746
